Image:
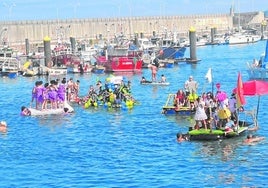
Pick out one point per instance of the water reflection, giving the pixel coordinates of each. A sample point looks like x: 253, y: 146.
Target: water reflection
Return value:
x: 222, y: 149
x: 54, y: 122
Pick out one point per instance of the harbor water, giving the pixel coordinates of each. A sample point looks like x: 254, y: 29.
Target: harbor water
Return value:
x: 137, y: 147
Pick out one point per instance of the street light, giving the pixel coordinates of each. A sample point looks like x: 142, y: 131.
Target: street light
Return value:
x: 3, y: 42
x: 9, y: 6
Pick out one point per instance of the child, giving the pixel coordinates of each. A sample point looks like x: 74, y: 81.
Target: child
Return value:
x: 163, y: 78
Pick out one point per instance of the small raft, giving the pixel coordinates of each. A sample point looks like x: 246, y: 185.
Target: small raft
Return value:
x: 66, y: 109
x: 155, y: 83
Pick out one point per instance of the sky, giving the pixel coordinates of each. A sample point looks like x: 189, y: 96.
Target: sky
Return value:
x: 69, y: 9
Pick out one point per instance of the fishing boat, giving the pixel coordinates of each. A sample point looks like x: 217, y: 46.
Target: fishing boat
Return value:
x: 258, y: 69
x: 119, y: 59
x: 9, y: 64
x: 9, y: 67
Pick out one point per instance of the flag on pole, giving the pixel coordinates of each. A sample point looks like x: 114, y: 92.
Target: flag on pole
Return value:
x: 209, y: 76
x: 240, y: 98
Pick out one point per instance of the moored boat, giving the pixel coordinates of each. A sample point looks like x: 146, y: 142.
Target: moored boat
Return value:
x: 120, y: 60
x: 258, y: 69
x: 9, y: 67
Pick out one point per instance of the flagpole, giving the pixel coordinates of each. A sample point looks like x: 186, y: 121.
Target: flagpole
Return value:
x: 212, y: 83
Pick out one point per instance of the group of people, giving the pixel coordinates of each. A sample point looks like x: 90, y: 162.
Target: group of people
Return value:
x: 52, y: 95
x: 218, y: 111
x: 111, y: 94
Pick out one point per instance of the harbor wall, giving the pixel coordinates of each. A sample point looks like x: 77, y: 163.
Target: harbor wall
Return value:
x: 15, y: 32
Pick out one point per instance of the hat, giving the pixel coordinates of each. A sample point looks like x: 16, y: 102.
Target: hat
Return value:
x: 190, y: 76
x: 3, y: 123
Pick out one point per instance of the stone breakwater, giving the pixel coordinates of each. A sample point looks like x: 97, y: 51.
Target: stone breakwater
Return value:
x: 15, y: 32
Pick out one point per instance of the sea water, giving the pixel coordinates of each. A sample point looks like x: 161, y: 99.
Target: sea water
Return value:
x: 99, y: 147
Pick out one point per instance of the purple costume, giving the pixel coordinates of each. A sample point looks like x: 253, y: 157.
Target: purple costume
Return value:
x: 52, y: 94
x: 61, y: 92
x: 39, y: 94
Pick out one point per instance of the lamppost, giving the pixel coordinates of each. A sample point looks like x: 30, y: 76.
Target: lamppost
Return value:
x: 75, y: 5
x: 9, y: 6
x: 2, y: 39
x: 62, y: 33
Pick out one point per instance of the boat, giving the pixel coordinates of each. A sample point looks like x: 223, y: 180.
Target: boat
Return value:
x: 63, y: 57
x: 145, y: 44
x: 172, y: 49
x: 34, y: 112
x: 9, y: 64
x: 243, y: 38
x: 9, y: 67
x: 170, y: 109
x: 119, y: 59
x: 258, y: 70
x: 98, y: 69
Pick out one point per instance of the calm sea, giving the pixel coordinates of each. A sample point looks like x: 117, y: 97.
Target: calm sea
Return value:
x: 131, y: 148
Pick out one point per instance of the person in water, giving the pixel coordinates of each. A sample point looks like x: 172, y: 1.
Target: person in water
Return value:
x: 3, y: 126
x: 143, y: 80
x: 163, y: 79
x: 181, y: 137
x: 25, y: 111
x: 251, y: 139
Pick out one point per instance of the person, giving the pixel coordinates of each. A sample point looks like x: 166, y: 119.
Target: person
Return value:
x: 255, y: 63
x: 25, y: 111
x: 143, y: 80
x: 154, y: 70
x: 190, y: 86
x: 76, y: 88
x: 254, y: 128
x: 230, y: 126
x: 232, y: 107
x: 251, y: 139
x: 39, y: 95
x: 3, y: 126
x: 70, y: 89
x: 154, y: 65
x: 200, y: 114
x: 163, y: 79
x: 34, y: 93
x: 181, y: 138
x: 180, y: 98
x: 61, y: 92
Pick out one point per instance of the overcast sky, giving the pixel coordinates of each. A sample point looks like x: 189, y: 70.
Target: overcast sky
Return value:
x: 66, y: 9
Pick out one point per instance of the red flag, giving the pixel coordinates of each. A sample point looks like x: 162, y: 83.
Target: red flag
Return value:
x: 240, y: 98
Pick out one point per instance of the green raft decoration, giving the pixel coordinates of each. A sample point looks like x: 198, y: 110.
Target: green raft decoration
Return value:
x: 216, y: 132
x: 205, y: 132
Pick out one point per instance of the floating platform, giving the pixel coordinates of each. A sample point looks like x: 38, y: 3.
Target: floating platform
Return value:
x: 155, y: 83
